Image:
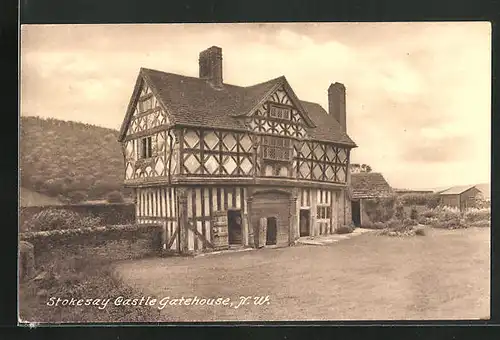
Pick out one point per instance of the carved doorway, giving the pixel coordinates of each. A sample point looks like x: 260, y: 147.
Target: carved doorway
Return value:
x: 276, y: 204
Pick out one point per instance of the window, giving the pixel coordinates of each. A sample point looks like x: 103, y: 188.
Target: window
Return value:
x: 324, y: 212
x: 145, y: 104
x: 276, y: 148
x: 145, y: 148
x: 279, y: 112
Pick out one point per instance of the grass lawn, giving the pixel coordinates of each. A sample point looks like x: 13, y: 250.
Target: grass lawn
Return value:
x: 443, y: 275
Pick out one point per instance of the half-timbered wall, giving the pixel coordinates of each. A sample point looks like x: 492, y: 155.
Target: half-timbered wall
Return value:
x: 323, y: 206
x: 158, y: 205
x: 280, y: 125
x: 321, y: 162
x: 202, y: 202
x: 277, y: 116
x: 216, y: 153
x: 148, y: 143
x: 156, y: 164
x: 148, y: 113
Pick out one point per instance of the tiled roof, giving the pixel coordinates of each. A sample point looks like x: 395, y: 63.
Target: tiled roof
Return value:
x: 193, y: 101
x: 457, y: 190
x: 327, y: 128
x: 370, y: 185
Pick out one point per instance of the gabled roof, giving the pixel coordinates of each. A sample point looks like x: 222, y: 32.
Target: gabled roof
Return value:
x: 327, y: 127
x: 457, y: 190
x: 370, y: 185
x: 280, y: 82
x: 193, y: 101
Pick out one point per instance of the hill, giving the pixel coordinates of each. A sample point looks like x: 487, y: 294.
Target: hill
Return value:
x: 30, y: 198
x: 68, y: 159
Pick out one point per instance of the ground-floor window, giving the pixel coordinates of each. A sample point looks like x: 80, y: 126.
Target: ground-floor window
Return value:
x: 324, y: 212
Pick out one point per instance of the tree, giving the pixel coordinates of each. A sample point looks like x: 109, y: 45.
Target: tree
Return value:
x: 115, y: 197
x: 366, y: 168
x: 356, y: 167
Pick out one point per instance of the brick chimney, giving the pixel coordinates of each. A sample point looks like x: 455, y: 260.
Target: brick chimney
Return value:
x: 211, y: 66
x: 336, y: 104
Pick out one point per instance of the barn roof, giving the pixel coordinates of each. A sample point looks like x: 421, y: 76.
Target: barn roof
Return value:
x: 457, y: 190
x: 193, y: 101
x: 370, y: 185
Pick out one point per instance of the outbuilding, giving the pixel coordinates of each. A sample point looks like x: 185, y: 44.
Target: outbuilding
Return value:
x: 367, y: 186
x: 460, y: 197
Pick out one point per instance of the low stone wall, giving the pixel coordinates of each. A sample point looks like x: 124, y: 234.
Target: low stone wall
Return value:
x: 110, y: 243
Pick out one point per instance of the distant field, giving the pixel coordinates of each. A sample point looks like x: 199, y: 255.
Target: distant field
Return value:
x: 30, y: 198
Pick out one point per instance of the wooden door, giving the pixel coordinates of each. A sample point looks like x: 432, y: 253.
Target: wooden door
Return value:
x: 272, y: 204
x: 220, y: 230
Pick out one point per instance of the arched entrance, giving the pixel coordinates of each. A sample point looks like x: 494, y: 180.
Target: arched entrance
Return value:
x: 274, y: 206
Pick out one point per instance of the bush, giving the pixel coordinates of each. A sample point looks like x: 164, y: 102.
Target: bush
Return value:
x: 57, y: 219
x: 420, y: 232
x: 400, y: 212
x: 479, y: 203
x: 454, y: 223
x: 422, y: 220
x: 379, y: 209
x: 397, y: 232
x: 429, y: 213
x: 444, y: 214
x: 481, y: 224
x: 430, y: 200
x: 408, y: 222
x: 414, y: 213
x: 345, y: 229
x: 115, y: 197
x: 393, y: 224
x: 367, y: 225
x: 379, y: 225
x: 473, y: 215
x: 371, y: 225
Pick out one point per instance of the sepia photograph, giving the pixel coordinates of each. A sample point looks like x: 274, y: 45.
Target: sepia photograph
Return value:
x: 254, y: 172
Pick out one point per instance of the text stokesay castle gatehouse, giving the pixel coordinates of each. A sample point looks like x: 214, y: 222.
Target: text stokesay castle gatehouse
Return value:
x: 214, y: 162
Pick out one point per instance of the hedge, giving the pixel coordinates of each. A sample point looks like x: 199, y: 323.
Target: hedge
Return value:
x: 45, y: 240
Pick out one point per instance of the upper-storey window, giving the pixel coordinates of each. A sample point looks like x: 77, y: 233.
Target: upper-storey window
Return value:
x: 145, y: 104
x: 276, y: 148
x: 145, y: 148
x: 279, y: 112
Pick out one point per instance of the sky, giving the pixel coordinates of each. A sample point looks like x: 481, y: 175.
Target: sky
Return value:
x: 418, y: 94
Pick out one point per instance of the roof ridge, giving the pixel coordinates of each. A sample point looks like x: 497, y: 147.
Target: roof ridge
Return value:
x: 309, y: 102
x: 227, y: 84
x: 189, y: 100
x: 265, y: 82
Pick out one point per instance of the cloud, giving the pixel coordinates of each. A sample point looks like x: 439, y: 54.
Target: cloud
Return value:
x: 443, y: 149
